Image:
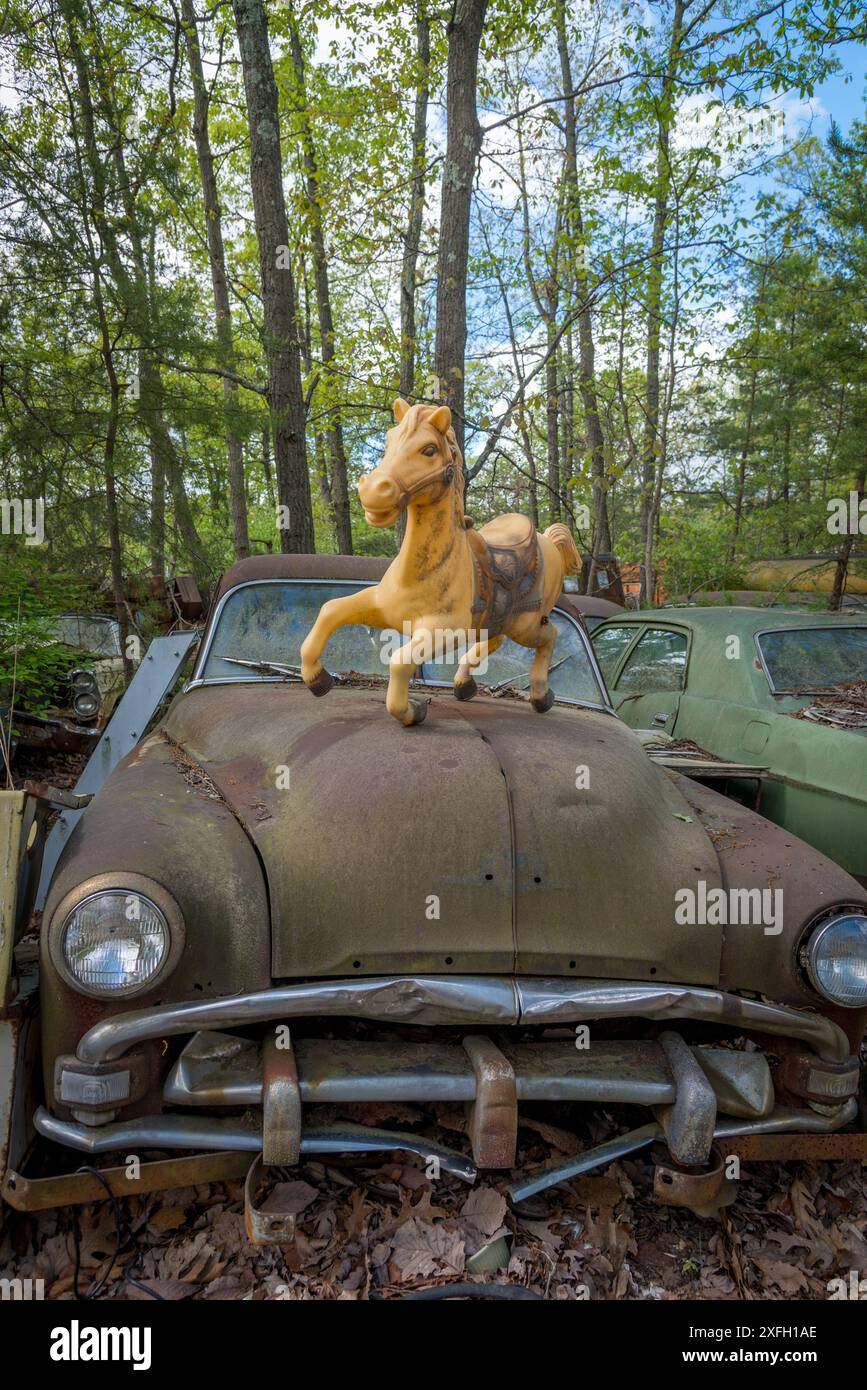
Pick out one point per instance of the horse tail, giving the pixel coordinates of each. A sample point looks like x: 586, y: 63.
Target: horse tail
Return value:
x: 562, y: 538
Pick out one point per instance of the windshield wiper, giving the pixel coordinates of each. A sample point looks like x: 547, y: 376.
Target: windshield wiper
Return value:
x: 268, y: 668
x: 510, y: 680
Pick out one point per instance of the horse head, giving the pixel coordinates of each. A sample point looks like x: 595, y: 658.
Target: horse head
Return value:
x: 420, y: 464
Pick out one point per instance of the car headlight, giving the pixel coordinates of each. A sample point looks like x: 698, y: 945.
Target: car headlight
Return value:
x: 85, y: 693
x: 118, y: 939
x: 85, y: 705
x: 835, y: 957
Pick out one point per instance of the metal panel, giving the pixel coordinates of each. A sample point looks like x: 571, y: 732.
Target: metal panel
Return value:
x: 152, y: 681
x: 597, y: 866
x: 382, y: 847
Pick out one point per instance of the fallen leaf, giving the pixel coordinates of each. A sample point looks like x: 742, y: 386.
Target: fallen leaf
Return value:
x: 290, y: 1197
x: 168, y: 1218
x: 485, y: 1208
x: 419, y: 1249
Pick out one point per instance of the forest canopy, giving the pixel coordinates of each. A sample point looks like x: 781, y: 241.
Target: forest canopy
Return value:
x: 610, y: 237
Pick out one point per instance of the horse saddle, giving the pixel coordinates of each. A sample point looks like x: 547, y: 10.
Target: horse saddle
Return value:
x: 507, y: 568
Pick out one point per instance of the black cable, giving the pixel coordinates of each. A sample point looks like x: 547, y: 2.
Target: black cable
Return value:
x: 97, y: 1288
x: 76, y: 1237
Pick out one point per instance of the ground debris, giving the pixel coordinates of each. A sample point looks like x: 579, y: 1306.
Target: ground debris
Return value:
x: 371, y: 1227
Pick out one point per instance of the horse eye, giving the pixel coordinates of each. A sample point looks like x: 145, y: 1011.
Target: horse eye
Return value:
x: 429, y: 451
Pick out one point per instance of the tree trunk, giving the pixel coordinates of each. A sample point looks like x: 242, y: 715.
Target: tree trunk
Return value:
x: 339, y: 489
x: 414, y: 220
x: 836, y: 598
x: 219, y: 278
x: 463, y: 142
x: 665, y: 117
x: 789, y: 399
x: 108, y: 463
x: 280, y: 327
x: 574, y: 225
x: 132, y: 288
x: 162, y: 445
x: 552, y: 407
x: 157, y: 526
x: 742, y: 465
x: 412, y: 235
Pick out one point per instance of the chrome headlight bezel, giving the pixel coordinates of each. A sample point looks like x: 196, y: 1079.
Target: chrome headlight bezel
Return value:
x: 809, y: 953
x: 84, y: 686
x: 90, y: 699
x: 127, y: 884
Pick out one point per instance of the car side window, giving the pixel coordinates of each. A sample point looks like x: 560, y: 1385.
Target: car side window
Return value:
x: 609, y: 645
x: 657, y: 663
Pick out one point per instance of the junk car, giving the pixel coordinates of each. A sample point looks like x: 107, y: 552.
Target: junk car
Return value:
x: 277, y: 903
x: 787, y: 688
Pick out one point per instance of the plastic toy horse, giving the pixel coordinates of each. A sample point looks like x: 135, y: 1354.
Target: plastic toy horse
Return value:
x: 500, y: 581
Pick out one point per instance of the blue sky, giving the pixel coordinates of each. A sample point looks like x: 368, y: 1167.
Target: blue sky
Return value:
x: 841, y: 99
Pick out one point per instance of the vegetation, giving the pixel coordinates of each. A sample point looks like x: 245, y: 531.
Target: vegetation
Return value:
x: 232, y: 233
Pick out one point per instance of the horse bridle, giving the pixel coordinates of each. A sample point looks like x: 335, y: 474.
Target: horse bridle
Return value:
x: 444, y: 473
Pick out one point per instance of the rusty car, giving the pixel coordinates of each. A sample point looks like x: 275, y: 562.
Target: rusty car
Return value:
x: 277, y: 903
x: 85, y: 697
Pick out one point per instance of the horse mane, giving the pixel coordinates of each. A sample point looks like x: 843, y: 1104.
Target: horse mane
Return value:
x: 460, y: 476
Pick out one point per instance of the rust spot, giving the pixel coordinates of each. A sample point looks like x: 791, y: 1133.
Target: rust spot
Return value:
x: 192, y: 772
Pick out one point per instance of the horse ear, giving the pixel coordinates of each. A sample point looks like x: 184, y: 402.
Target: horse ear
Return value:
x: 400, y: 408
x: 441, y: 419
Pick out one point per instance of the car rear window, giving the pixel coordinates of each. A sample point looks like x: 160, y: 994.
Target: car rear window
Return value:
x: 814, y: 658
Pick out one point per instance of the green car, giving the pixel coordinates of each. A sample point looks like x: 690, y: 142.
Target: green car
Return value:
x: 784, y: 689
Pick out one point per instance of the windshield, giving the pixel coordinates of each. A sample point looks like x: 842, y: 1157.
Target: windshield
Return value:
x: 813, y: 658
x: 99, y: 636
x: 269, y: 621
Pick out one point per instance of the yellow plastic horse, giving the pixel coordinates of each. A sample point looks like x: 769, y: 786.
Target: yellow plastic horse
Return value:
x: 501, y: 581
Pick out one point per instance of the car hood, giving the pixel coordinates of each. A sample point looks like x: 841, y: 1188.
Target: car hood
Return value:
x: 487, y: 839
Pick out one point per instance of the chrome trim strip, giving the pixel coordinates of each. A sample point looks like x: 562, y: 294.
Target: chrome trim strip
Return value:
x: 182, y: 1132
x: 432, y: 999
x: 463, y: 999
x: 562, y: 1001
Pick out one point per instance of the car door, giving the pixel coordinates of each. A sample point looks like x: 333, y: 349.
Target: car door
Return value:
x: 651, y: 677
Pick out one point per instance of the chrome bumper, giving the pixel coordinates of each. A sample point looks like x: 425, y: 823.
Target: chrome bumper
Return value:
x: 457, y: 1000
x: 694, y: 1093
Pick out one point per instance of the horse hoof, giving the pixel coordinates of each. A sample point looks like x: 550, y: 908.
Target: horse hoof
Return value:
x: 418, y: 709
x: 322, y: 684
x: 547, y: 700
x: 466, y: 690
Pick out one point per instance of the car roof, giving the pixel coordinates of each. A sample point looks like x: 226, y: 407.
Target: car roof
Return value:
x: 719, y: 617
x: 590, y: 605
x: 257, y: 567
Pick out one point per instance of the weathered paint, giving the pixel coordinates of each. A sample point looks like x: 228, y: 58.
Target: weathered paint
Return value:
x: 817, y: 782
x: 479, y: 812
